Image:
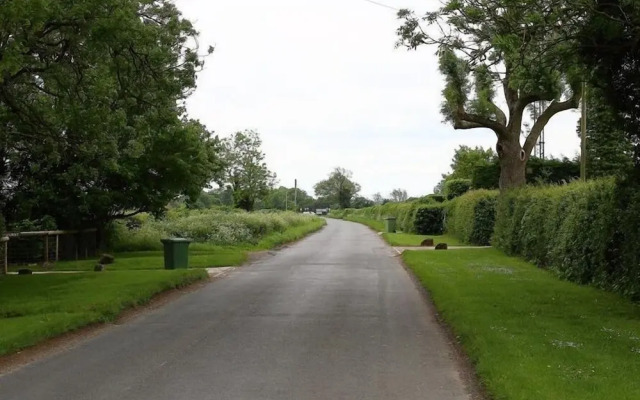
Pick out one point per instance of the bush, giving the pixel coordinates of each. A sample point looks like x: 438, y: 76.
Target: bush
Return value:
x: 456, y: 187
x: 586, y: 232
x: 208, y: 226
x: 407, y: 219
x: 471, y: 217
x: 429, y: 220
x: 538, y: 171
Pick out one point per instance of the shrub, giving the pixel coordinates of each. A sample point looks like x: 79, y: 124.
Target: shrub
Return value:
x: 586, y: 232
x: 211, y: 226
x: 471, y: 217
x: 429, y: 220
x: 456, y: 187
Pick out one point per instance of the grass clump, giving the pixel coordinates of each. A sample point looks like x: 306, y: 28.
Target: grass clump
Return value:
x: 37, y: 307
x: 529, y: 334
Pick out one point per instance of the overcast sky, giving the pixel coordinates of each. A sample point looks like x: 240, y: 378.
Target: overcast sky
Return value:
x: 322, y: 83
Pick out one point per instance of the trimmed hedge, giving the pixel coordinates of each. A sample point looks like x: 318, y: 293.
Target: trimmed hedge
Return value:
x: 538, y: 171
x: 471, y: 217
x: 429, y: 220
x: 456, y: 187
x: 411, y: 217
x: 586, y: 232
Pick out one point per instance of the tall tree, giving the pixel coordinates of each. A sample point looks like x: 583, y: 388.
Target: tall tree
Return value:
x: 246, y: 172
x: 92, y: 117
x: 609, y: 45
x: 398, y: 195
x: 522, y: 47
x: 466, y: 159
x: 339, y: 188
x: 377, y: 198
x: 609, y: 149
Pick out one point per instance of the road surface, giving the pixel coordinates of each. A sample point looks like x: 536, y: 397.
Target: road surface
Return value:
x: 332, y: 317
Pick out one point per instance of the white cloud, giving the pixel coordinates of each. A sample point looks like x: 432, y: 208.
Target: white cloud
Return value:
x: 324, y: 86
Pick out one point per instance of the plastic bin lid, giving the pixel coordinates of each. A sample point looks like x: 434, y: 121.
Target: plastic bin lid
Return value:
x: 176, y: 240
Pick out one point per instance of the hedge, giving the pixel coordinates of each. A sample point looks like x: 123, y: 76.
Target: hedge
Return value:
x: 538, y: 171
x: 456, y: 187
x: 429, y: 220
x: 471, y: 217
x: 586, y: 232
x: 411, y: 217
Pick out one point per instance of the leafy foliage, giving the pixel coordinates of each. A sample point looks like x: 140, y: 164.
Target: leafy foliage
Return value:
x: 522, y: 46
x: 429, y: 220
x: 471, y: 217
x: 411, y: 217
x: 339, y: 188
x: 398, y: 195
x: 245, y: 172
x: 609, y: 45
x: 212, y: 226
x: 92, y: 116
x: 609, y: 150
x: 539, y: 171
x: 586, y: 232
x: 456, y: 187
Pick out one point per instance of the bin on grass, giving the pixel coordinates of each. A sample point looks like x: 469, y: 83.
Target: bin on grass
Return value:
x: 390, y: 224
x: 176, y: 253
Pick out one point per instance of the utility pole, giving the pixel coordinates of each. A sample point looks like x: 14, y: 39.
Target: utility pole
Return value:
x: 295, y: 195
x: 286, y: 200
x: 583, y: 135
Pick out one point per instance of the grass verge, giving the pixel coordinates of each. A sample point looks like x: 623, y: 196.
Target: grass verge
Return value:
x: 201, y: 255
x: 402, y: 239
x: 38, y: 307
x: 529, y: 334
x: 371, y: 223
x: 405, y: 239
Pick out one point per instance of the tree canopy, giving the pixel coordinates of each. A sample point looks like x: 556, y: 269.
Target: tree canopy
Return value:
x: 522, y: 47
x: 92, y: 116
x: 609, y: 40
x: 339, y: 188
x: 609, y: 149
x: 245, y: 170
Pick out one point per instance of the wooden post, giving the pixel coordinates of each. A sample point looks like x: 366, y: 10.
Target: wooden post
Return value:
x: 57, y: 247
x: 46, y: 248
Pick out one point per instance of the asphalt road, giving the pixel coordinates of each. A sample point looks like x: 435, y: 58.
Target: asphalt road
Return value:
x: 332, y: 317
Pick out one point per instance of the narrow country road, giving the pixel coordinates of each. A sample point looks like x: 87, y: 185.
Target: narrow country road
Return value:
x: 332, y: 317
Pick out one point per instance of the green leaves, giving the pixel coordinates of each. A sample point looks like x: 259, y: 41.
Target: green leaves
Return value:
x: 338, y: 189
x: 91, y: 109
x: 245, y: 170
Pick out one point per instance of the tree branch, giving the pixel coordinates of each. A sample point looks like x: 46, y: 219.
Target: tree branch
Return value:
x: 554, y: 108
x: 464, y: 120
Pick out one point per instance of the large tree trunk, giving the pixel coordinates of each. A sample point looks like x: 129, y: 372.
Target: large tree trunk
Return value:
x: 513, y: 163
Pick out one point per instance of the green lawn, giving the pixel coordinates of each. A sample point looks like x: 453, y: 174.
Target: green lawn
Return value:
x: 201, y: 255
x: 531, y: 335
x: 38, y: 307
x: 371, y: 223
x: 405, y: 239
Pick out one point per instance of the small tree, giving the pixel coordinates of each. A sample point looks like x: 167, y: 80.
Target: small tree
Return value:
x: 246, y: 172
x: 399, y: 195
x: 522, y: 47
x: 338, y: 188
